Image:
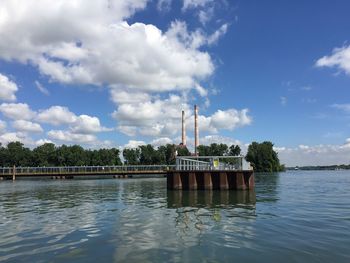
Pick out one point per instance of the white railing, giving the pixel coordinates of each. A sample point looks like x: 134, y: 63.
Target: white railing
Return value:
x: 85, y: 169
x: 190, y: 163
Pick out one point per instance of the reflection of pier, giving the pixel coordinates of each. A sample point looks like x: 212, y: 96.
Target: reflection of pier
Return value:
x: 70, y: 171
x: 211, y: 173
x: 208, y: 199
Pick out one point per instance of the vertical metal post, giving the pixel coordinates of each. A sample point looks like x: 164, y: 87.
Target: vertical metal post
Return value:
x: 14, y: 173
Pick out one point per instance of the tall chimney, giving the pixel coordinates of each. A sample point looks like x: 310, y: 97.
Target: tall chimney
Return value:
x: 196, y: 131
x: 183, y: 129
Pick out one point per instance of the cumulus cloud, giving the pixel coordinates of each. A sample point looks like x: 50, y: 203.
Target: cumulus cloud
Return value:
x: 209, y: 139
x: 16, y: 136
x: 161, y: 141
x: 133, y: 144
x: 95, y: 45
x: 304, y: 155
x: 67, y: 136
x: 7, y: 88
x: 17, y: 111
x: 27, y: 126
x: 43, y: 141
x: 162, y: 118
x: 56, y: 115
x: 86, y: 124
x: 340, y: 59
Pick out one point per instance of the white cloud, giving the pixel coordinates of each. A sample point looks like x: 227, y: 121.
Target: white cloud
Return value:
x: 67, y: 136
x: 3, y: 126
x: 95, y: 45
x: 344, y: 107
x: 16, y: 136
x: 27, y: 126
x: 164, y: 5
x: 304, y: 155
x: 229, y: 119
x: 206, y: 15
x: 17, y: 111
x: 86, y: 124
x: 42, y: 141
x: 7, y: 88
x: 213, y: 39
x: 187, y: 4
x: 134, y: 144
x: 56, y: 115
x: 340, y: 59
x: 162, y: 118
x: 41, y: 88
x: 283, y: 101
x: 161, y: 141
x: 209, y: 139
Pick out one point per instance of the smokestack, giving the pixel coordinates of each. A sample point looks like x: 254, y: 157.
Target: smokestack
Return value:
x: 183, y: 129
x: 196, y: 131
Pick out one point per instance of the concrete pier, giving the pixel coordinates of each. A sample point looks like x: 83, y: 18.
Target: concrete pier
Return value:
x: 210, y: 180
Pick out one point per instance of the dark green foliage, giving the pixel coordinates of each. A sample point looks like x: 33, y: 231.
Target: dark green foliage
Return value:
x: 234, y: 150
x: 216, y: 149
x: 263, y: 158
x: 50, y: 155
x: 131, y: 156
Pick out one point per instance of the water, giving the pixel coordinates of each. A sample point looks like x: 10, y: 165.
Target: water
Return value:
x: 291, y: 217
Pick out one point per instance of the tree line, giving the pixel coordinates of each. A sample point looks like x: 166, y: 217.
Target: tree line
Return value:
x: 261, y: 155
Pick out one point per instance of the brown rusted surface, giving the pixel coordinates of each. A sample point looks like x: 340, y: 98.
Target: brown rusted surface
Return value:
x: 192, y: 181
x: 223, y: 181
x: 208, y: 184
x: 210, y: 180
x: 177, y: 183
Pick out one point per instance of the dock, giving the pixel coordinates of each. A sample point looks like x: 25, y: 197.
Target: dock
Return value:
x: 211, y: 173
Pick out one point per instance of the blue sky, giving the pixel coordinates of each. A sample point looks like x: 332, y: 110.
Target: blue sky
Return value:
x: 118, y: 74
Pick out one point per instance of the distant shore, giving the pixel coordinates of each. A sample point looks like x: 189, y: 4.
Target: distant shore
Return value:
x: 320, y: 167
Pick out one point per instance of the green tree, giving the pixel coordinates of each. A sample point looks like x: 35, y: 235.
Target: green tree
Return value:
x: 149, y: 155
x: 263, y: 158
x: 234, y: 150
x: 45, y: 155
x: 17, y: 154
x: 182, y: 151
x: 131, y: 156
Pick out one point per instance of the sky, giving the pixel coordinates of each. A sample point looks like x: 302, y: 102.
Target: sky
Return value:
x: 118, y: 73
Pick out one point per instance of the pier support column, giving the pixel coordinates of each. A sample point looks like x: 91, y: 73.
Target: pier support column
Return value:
x: 240, y: 184
x: 177, y: 184
x: 223, y: 181
x: 192, y: 181
x: 251, y: 181
x: 208, y: 184
x: 14, y: 173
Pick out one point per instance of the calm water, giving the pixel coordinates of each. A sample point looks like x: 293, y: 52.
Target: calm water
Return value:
x: 291, y: 217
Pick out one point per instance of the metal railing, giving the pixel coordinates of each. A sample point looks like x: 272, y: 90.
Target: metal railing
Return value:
x: 5, y: 171
x: 192, y: 163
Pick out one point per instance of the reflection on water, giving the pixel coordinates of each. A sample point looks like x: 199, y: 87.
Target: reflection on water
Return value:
x: 209, y: 199
x: 290, y: 217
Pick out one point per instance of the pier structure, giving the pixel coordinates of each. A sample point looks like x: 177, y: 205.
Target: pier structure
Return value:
x: 211, y: 173
x: 68, y: 172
